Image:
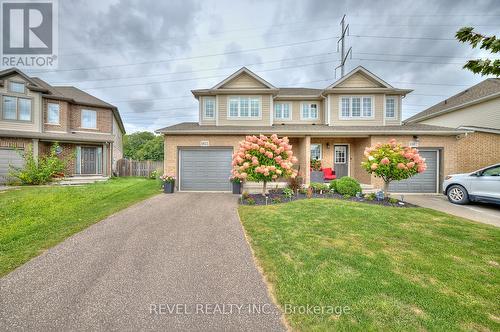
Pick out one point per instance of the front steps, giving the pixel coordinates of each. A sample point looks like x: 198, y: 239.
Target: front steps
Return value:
x: 79, y: 180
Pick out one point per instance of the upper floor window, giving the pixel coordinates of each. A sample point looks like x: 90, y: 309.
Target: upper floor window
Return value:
x: 282, y: 111
x: 16, y: 87
x: 52, y: 113
x: 309, y: 111
x: 315, y: 151
x: 390, y: 107
x: 15, y: 108
x: 244, y: 107
x: 356, y: 107
x: 209, y: 108
x: 89, y: 119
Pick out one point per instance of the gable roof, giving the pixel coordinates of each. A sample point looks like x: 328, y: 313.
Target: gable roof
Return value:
x: 363, y: 70
x: 487, y: 89
x: 248, y: 72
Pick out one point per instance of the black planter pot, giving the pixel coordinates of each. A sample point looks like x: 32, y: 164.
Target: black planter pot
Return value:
x: 237, y: 188
x: 168, y: 187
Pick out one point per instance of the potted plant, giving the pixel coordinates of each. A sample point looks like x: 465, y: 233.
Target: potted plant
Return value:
x: 168, y: 183
x: 236, y: 185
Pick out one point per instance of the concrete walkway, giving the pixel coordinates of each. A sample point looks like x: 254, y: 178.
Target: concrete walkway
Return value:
x: 173, y: 262
x: 484, y: 213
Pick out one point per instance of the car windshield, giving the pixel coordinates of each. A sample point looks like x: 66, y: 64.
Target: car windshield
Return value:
x: 494, y: 171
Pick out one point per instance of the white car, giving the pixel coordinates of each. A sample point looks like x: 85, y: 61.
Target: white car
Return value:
x: 479, y: 186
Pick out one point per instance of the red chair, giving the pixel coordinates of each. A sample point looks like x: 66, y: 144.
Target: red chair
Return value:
x: 329, y: 174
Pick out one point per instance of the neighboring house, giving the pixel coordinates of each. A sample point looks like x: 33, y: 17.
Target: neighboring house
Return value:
x: 33, y: 112
x: 475, y: 109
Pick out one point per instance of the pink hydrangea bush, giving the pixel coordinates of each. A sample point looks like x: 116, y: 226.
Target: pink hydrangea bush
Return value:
x: 393, y: 162
x: 264, y: 159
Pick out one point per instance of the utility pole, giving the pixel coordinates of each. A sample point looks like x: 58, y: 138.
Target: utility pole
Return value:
x: 343, y: 55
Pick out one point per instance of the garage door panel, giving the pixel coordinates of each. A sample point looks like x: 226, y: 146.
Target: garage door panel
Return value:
x: 205, y: 169
x: 9, y: 157
x: 425, y: 182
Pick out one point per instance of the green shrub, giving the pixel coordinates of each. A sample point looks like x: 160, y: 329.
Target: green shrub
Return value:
x: 276, y: 200
x: 245, y: 195
x: 303, y: 191
x: 347, y: 186
x: 287, y: 192
x: 333, y: 185
x: 370, y: 197
x: 346, y: 196
x: 393, y: 200
x: 317, y: 187
x: 42, y: 171
x: 154, y: 174
x: 250, y: 201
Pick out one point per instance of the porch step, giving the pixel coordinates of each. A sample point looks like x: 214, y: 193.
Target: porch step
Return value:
x: 78, y: 180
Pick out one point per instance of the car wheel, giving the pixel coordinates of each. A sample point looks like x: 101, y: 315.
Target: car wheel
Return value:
x: 458, y: 194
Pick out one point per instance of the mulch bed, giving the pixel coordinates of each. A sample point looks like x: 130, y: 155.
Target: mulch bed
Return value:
x: 276, y: 197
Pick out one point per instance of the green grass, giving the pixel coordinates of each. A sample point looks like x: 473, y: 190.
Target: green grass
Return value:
x: 395, y: 268
x: 33, y: 219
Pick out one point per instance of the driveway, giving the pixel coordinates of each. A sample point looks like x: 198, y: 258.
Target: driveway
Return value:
x: 485, y: 213
x: 172, y: 262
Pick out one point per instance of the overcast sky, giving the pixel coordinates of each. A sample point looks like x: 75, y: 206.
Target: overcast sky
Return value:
x: 145, y: 56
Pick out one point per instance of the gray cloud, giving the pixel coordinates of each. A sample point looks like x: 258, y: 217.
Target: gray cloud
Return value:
x: 97, y: 33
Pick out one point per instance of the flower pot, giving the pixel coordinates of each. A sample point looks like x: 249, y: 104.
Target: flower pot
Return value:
x: 168, y: 187
x: 237, y: 188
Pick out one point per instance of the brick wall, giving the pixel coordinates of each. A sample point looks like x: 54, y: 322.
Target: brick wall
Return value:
x: 10, y: 142
x: 68, y: 154
x: 477, y: 150
x: 104, y: 119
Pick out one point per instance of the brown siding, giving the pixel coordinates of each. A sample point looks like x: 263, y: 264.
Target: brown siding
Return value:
x: 243, y: 81
x: 378, y: 109
x: 223, y: 112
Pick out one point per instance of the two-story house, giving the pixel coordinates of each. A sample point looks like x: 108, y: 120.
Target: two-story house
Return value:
x: 333, y: 124
x: 37, y: 114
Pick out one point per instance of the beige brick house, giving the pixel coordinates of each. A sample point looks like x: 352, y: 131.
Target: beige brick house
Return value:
x: 33, y: 112
x: 333, y: 125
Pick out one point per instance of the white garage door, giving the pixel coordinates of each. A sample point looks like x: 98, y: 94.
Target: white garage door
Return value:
x: 205, y: 169
x: 8, y: 157
x: 425, y: 182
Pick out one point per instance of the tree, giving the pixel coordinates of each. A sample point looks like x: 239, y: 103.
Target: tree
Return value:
x: 264, y: 159
x: 491, y: 43
x: 143, y: 146
x: 392, y: 161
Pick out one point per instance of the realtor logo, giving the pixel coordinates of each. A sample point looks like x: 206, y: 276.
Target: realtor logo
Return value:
x: 29, y: 33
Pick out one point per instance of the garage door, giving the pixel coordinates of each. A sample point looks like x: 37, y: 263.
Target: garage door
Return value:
x: 206, y: 169
x: 425, y: 182
x: 8, y: 157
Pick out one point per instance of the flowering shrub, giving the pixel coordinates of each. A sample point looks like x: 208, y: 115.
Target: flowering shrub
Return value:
x: 316, y: 165
x: 264, y: 159
x: 167, y: 178
x: 391, y: 161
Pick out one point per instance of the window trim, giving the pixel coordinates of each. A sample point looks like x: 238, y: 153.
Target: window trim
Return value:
x: 17, y: 108
x: 58, y: 123
x: 289, y: 111
x: 205, y: 99
x: 309, y: 118
x: 320, y: 150
x: 81, y: 118
x: 239, y: 117
x: 18, y: 82
x: 362, y: 107
x: 395, y: 107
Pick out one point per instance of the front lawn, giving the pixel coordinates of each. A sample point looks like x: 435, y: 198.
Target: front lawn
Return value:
x: 395, y: 269
x: 33, y: 219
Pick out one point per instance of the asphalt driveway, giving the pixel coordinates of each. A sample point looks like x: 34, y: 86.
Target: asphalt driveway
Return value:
x: 172, y: 262
x: 485, y: 213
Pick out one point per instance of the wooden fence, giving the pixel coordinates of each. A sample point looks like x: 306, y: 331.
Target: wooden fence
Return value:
x: 127, y: 167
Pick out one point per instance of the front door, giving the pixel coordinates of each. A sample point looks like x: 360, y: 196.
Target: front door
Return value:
x: 89, y: 160
x: 341, y: 160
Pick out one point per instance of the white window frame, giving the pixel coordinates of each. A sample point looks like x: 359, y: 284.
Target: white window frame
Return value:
x: 205, y: 100
x: 309, y: 117
x: 16, y: 82
x: 58, y: 114
x: 17, y: 108
x: 280, y: 106
x: 362, y: 110
x: 81, y: 118
x: 342, y: 149
x: 320, y: 150
x: 251, y: 102
x: 385, y: 107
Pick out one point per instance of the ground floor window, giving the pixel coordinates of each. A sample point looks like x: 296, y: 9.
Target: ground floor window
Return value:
x: 315, y: 151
